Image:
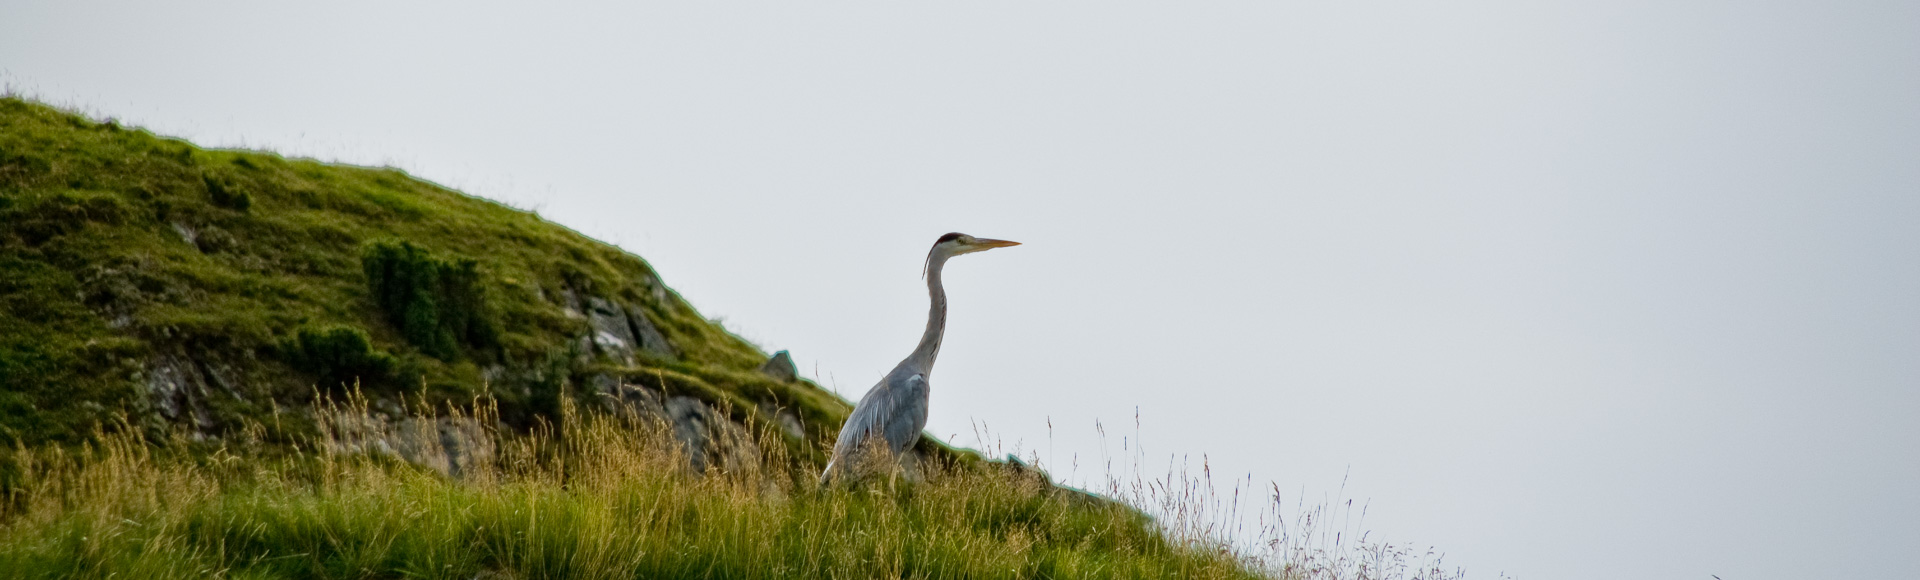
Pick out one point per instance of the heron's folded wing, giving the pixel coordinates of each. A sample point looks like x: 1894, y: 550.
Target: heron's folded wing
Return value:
x: 907, y: 413
x: 863, y: 422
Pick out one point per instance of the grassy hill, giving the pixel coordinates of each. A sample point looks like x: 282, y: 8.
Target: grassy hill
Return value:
x: 141, y: 275
x: 231, y: 364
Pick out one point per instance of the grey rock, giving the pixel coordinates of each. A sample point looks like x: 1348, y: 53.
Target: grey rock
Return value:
x: 464, y: 445
x: 612, y: 333
x: 638, y: 401
x: 786, y: 419
x: 691, y: 422
x: 178, y: 387
x: 710, y: 440
x: 167, y: 386
x: 603, y: 384
x: 453, y: 446
x: 648, y: 336
x: 615, y: 330
x: 707, y: 437
x: 780, y: 367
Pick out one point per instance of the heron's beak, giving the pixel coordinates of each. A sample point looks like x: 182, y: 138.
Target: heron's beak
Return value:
x: 986, y: 244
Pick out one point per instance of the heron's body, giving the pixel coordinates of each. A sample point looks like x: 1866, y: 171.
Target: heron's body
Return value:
x: 895, y: 410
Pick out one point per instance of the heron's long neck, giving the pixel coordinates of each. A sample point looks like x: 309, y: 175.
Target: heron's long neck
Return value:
x: 923, y: 355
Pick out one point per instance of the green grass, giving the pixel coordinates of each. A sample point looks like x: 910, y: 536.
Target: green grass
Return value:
x: 120, y: 248
x: 600, y: 499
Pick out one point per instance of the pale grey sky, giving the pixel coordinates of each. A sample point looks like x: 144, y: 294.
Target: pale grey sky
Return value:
x: 1574, y: 290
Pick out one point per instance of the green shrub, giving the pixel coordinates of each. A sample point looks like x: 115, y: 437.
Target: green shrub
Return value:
x: 42, y: 218
x: 228, y: 194
x: 338, y: 355
x: 440, y: 306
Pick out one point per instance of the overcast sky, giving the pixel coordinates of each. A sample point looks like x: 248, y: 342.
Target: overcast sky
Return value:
x: 1621, y: 289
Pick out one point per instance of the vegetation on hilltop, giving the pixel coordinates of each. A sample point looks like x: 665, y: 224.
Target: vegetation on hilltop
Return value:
x: 138, y: 271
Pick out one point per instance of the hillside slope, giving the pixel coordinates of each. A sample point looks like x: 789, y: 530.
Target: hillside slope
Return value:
x: 206, y: 290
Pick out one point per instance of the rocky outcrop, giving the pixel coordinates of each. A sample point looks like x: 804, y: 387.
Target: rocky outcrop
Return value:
x: 780, y: 367
x: 709, y: 438
x: 453, y: 446
x: 178, y: 390
x: 616, y: 330
x: 788, y: 421
x: 647, y: 337
x: 180, y: 386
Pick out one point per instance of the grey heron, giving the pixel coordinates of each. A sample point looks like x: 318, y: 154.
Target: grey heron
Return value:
x: 895, y: 410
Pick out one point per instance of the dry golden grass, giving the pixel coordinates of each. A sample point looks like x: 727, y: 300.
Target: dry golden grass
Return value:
x: 600, y: 498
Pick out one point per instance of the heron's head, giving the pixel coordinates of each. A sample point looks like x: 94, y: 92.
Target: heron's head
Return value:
x: 957, y: 243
